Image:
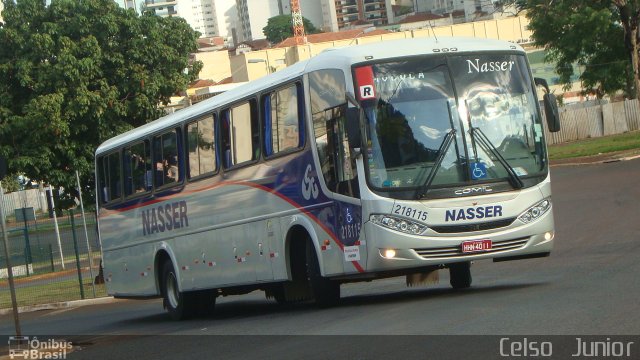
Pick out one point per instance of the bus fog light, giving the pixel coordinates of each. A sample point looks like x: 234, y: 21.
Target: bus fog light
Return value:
x: 389, y: 253
x: 548, y: 236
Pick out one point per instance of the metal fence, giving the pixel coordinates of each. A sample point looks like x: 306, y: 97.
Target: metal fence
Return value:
x: 48, y: 270
x: 582, y: 122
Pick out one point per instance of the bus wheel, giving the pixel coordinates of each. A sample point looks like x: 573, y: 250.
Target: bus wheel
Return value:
x: 277, y: 293
x: 460, y: 275
x: 326, y: 292
x: 178, y: 304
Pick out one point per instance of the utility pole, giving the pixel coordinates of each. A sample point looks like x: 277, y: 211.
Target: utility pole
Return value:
x: 12, y: 288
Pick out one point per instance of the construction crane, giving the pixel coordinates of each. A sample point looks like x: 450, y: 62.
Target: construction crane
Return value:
x: 298, y: 25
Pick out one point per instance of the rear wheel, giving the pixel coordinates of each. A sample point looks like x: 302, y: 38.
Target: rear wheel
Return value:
x: 460, y: 275
x: 326, y: 292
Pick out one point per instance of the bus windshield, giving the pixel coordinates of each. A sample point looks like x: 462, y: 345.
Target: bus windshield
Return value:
x: 442, y: 121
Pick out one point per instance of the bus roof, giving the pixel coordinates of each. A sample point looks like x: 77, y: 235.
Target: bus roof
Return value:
x: 342, y: 57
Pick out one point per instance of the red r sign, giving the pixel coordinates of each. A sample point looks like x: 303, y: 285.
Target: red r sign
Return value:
x: 364, y: 80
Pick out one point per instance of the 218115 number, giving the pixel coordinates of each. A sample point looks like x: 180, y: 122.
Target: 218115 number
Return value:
x: 410, y: 212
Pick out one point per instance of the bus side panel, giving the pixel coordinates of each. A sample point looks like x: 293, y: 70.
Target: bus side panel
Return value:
x: 129, y: 271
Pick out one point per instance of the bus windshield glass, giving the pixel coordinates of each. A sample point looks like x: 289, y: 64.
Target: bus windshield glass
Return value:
x: 443, y: 121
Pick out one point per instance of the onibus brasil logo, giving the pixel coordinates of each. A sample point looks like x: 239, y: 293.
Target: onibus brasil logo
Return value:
x: 23, y: 347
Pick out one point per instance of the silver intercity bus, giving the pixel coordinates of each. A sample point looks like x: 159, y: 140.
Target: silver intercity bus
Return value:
x: 366, y: 162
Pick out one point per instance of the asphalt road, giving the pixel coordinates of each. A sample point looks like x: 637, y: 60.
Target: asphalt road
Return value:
x: 588, y: 286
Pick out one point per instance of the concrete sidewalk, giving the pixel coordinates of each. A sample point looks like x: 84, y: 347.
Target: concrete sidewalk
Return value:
x: 59, y: 305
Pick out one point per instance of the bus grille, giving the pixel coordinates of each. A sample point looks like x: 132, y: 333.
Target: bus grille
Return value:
x: 447, y: 252
x: 448, y: 229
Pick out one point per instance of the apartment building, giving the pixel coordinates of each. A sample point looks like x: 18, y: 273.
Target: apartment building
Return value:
x: 162, y: 7
x: 254, y: 14
x: 346, y: 14
x: 210, y: 17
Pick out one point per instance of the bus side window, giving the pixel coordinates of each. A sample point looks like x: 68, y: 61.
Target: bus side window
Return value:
x: 328, y: 107
x: 282, y: 120
x: 201, y: 147
x: 137, y: 169
x: 240, y: 134
x: 166, y: 159
x: 109, y: 183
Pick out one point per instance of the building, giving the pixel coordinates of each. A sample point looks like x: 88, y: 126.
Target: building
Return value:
x: 346, y: 14
x: 1, y: 8
x: 254, y: 14
x: 467, y: 10
x: 210, y: 17
x: 162, y: 8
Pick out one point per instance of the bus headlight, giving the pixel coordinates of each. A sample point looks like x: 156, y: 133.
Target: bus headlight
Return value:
x: 398, y: 224
x: 535, y: 211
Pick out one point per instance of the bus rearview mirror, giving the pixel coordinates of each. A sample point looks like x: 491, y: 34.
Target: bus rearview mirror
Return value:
x: 551, y: 112
x: 353, y: 127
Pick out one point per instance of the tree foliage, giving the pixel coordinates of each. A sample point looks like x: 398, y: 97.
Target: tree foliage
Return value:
x: 281, y: 27
x: 77, y: 72
x: 600, y: 36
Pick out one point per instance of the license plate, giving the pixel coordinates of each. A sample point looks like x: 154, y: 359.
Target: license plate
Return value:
x: 476, y: 246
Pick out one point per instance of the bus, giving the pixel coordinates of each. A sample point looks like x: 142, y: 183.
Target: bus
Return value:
x: 398, y: 158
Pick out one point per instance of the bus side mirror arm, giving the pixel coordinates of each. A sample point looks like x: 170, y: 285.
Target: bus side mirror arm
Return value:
x: 550, y: 106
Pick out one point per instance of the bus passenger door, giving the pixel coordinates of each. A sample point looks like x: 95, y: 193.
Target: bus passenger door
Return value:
x: 346, y: 193
x: 327, y: 98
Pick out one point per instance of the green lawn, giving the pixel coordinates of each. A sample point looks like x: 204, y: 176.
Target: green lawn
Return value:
x: 49, y: 293
x: 595, y: 146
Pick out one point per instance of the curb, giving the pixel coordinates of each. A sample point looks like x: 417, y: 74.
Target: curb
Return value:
x: 59, y: 305
x: 605, y: 161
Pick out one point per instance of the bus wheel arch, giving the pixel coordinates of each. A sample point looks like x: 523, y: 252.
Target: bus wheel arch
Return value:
x: 161, y: 258
x: 304, y: 264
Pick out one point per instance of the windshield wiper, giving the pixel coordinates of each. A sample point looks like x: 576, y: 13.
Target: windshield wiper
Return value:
x: 442, y: 151
x: 486, y: 144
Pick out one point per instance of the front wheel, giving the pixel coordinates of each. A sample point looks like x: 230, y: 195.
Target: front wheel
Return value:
x: 326, y: 292
x: 460, y: 275
x: 183, y: 305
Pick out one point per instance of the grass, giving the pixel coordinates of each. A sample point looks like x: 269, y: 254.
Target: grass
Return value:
x: 50, y: 292
x: 595, y: 146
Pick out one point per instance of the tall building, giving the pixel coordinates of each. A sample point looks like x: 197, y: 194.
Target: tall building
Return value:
x: 253, y: 16
x: 209, y: 17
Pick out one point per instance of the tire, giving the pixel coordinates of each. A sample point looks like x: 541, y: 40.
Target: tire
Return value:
x: 460, y: 275
x: 277, y: 293
x: 173, y: 300
x: 326, y: 292
x: 184, y: 305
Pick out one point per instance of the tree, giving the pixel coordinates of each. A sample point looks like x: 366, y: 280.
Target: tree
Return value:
x: 281, y: 27
x: 600, y: 36
x: 77, y: 72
